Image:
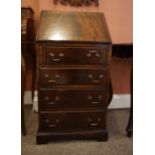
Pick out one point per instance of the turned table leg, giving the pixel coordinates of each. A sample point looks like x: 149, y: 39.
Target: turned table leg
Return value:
x: 33, y: 74
x: 129, y: 128
x: 22, y: 98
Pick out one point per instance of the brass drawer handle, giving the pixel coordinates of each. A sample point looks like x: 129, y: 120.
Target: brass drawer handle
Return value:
x: 51, y: 103
x: 98, y: 119
x: 90, y: 97
x: 51, y: 54
x: 96, y: 123
x: 56, y: 59
x: 61, y: 55
x: 57, y: 98
x: 52, y: 125
x: 47, y: 121
x: 90, y: 76
x: 93, y: 124
x: 57, y: 76
x: 95, y: 81
x: 100, y: 97
x: 46, y: 98
x: 46, y: 75
x: 51, y: 81
x: 95, y: 102
x: 93, y: 51
x: 101, y: 76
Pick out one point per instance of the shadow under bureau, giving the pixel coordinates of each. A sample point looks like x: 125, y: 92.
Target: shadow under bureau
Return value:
x: 74, y: 76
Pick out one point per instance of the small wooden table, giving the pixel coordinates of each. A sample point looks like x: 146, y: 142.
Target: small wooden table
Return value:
x: 28, y: 55
x: 126, y: 51
x: 28, y: 43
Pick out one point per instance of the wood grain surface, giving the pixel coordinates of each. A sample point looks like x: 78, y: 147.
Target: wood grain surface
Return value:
x: 73, y: 26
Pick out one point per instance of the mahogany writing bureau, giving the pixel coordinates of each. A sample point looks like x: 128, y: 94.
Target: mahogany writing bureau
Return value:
x: 74, y: 76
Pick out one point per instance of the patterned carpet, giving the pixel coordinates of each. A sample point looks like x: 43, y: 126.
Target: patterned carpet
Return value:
x: 118, y: 143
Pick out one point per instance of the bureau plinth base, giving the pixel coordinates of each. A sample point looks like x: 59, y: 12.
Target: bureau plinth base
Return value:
x: 45, y: 137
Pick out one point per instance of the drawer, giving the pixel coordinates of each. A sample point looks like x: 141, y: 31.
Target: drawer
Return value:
x: 57, y: 76
x: 64, y: 121
x: 75, y: 55
x: 57, y: 98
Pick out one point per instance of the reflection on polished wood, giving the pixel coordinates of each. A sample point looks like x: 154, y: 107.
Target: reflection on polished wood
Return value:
x: 78, y: 2
x: 72, y: 26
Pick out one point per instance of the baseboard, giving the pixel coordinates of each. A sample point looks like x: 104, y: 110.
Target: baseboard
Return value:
x: 118, y: 101
x: 27, y: 97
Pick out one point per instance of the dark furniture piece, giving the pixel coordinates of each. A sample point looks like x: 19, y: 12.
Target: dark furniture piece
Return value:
x: 28, y: 43
x: 28, y: 55
x: 22, y: 96
x: 74, y: 76
x: 126, y: 51
x: 129, y: 128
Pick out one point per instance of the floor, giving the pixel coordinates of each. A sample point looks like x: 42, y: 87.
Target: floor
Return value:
x: 117, y: 144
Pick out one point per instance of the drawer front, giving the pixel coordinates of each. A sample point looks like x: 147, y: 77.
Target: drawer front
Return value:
x: 72, y: 120
x: 73, y: 98
x: 76, y: 55
x: 56, y: 76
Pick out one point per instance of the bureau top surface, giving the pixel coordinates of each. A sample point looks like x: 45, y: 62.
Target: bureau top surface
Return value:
x: 73, y: 26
